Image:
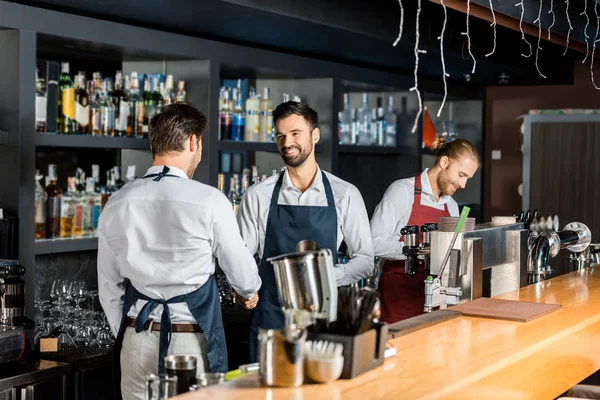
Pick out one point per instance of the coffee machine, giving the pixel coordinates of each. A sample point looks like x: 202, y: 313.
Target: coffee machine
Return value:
x: 417, y: 254
x: 12, y: 310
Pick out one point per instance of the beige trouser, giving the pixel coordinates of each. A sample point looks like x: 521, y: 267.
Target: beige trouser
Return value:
x: 139, y: 358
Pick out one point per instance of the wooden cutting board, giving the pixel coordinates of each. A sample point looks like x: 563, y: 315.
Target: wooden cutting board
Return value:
x: 519, y: 311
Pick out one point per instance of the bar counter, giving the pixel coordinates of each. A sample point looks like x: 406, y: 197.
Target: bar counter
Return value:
x: 473, y: 357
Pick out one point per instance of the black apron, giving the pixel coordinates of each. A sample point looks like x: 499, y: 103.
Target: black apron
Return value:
x: 286, y: 226
x: 203, y: 303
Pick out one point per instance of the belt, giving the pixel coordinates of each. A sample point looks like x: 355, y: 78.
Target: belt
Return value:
x: 179, y: 328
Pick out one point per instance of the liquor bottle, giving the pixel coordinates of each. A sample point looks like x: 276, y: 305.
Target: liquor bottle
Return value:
x: 181, y: 94
x: 91, y: 210
x: 157, y: 97
x: 245, y: 182
x: 346, y: 122
x: 67, y: 209
x: 130, y: 175
x: 66, y: 102
x: 233, y: 195
x: 169, y: 95
x: 239, y: 118
x: 135, y: 120
x: 252, y: 117
x: 95, y: 109
x: 149, y: 106
x: 81, y: 122
x: 108, y: 110
x: 255, y: 177
x: 364, y: 122
x: 355, y: 126
x: 374, y: 128
x: 221, y: 92
x: 390, y: 124
x: 225, y: 127
x: 41, y: 103
x: 40, y: 207
x: 96, y: 176
x: 266, y: 117
x: 118, y: 183
x: 379, y: 138
x: 54, y: 197
x: 221, y: 183
x: 77, y: 205
x: 121, y: 106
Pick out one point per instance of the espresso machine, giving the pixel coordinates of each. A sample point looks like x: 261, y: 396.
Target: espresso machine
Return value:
x: 308, y: 295
x: 417, y: 254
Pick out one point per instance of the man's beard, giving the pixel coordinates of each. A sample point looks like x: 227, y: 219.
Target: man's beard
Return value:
x: 444, y: 184
x: 194, y: 164
x: 297, y: 160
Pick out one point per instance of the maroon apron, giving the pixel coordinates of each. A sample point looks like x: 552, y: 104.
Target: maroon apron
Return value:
x: 402, y: 295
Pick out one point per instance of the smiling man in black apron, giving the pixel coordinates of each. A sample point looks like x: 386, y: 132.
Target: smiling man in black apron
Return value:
x: 301, y: 203
x: 161, y: 235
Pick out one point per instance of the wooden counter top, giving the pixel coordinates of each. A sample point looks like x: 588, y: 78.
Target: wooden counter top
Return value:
x: 473, y: 357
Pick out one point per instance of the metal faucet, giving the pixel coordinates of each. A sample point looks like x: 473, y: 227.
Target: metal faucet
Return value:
x: 575, y: 237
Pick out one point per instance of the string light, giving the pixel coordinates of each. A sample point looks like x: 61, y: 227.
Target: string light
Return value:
x: 416, y: 87
x: 596, y: 40
x: 469, y: 37
x: 444, y: 74
x: 587, y: 43
x: 522, y: 5
x: 553, y: 17
x: 570, y: 27
x: 537, y: 50
x: 493, y: 25
x: 401, y: 23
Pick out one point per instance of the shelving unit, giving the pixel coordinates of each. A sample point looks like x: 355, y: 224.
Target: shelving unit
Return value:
x: 27, y: 33
x: 103, y: 142
x: 55, y: 246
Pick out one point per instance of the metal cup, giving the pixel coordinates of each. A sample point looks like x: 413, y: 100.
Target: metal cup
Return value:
x: 184, y: 368
x: 210, y: 378
x: 161, y: 387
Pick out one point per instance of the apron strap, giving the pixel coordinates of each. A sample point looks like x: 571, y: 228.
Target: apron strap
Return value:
x: 160, y: 175
x: 166, y: 330
x: 276, y: 190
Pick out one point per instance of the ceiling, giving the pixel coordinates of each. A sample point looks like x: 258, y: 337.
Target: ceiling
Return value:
x: 359, y: 32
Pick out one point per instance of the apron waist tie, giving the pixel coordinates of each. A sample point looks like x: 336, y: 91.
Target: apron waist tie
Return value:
x: 166, y: 330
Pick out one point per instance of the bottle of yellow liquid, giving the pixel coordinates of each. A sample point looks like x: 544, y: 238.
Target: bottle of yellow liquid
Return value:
x: 252, y: 117
x: 266, y: 117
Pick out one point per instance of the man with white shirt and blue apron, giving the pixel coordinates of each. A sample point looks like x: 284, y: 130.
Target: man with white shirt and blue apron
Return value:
x: 301, y: 203
x: 158, y: 239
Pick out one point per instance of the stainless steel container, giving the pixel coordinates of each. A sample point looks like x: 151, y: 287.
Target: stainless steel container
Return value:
x: 281, y: 356
x: 12, y: 292
x: 306, y: 284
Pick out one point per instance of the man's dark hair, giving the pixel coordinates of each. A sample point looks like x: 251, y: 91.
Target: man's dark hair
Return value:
x: 169, y: 130
x: 302, y: 109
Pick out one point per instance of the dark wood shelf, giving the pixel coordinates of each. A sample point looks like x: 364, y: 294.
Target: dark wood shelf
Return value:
x: 103, y: 142
x: 54, y: 246
x: 230, y: 145
x: 3, y: 137
x: 353, y: 149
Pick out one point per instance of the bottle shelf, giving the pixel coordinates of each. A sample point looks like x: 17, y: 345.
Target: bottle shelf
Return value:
x: 66, y: 245
x: 231, y: 145
x: 106, y: 142
x: 354, y: 149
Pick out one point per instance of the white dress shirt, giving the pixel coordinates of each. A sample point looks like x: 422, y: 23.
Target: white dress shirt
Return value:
x: 352, y: 219
x: 392, y: 214
x: 164, y: 237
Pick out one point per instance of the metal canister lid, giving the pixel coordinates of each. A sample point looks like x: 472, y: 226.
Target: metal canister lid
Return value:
x: 180, y: 362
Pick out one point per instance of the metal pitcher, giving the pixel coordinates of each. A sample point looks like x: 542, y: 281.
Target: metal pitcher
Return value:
x: 281, y: 356
x: 306, y: 285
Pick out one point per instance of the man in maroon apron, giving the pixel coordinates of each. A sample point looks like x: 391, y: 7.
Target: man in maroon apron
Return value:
x: 417, y: 201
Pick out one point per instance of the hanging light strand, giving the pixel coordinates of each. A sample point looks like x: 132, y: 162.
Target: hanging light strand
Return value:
x: 522, y: 5
x: 596, y: 40
x: 493, y: 25
x: 401, y: 23
x: 553, y: 17
x: 587, y: 42
x: 416, y: 87
x: 444, y: 74
x: 469, y: 37
x: 537, y: 50
x: 570, y: 27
